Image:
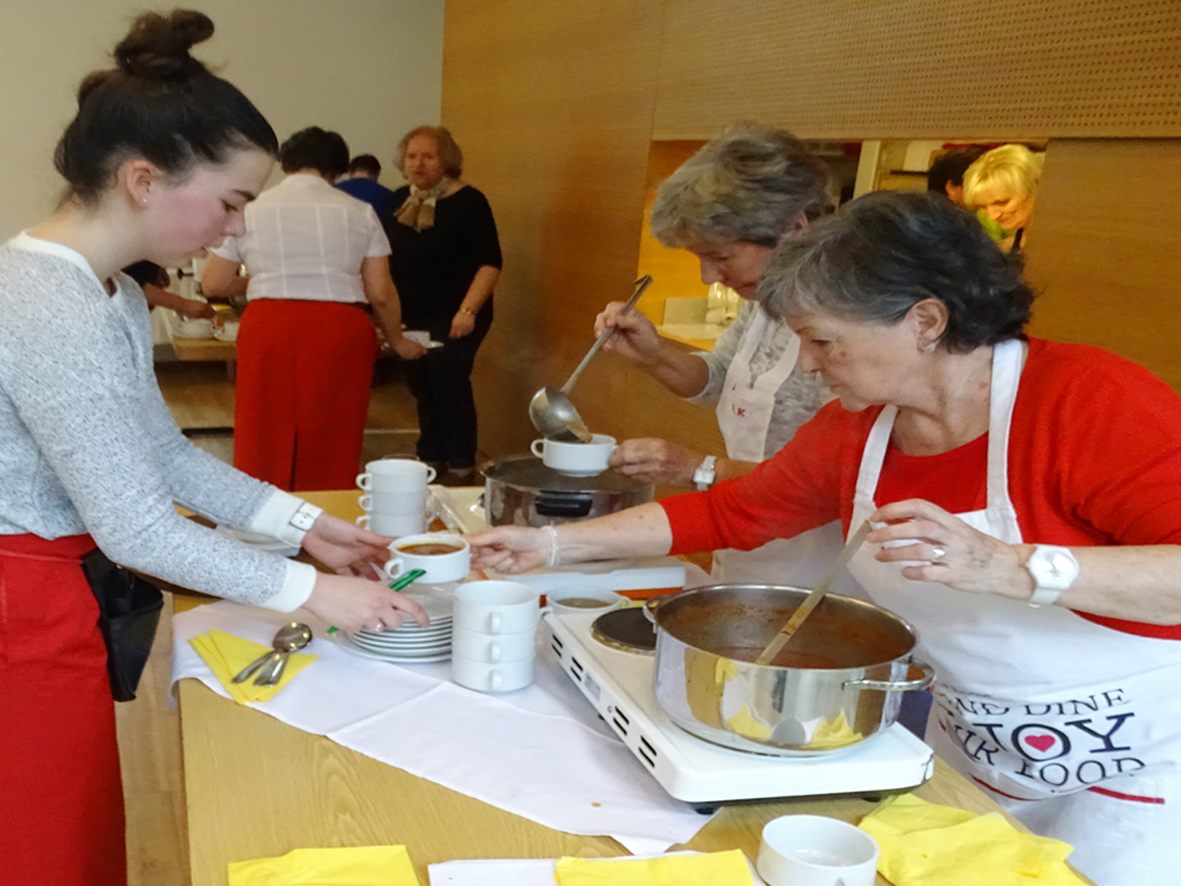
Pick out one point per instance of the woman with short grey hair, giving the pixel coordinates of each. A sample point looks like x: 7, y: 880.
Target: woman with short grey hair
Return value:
x: 730, y: 204
x: 750, y: 184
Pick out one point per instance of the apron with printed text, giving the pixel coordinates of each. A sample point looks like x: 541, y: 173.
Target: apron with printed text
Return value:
x: 744, y: 415
x: 1075, y: 727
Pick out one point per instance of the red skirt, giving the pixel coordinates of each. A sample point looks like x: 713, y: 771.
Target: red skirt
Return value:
x: 61, y: 797
x: 302, y: 396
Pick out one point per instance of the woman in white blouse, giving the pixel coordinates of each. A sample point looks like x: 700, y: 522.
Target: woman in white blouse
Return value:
x: 317, y: 265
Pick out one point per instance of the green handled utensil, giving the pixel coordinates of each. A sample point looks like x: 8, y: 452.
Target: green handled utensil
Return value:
x: 402, y: 581
x: 406, y: 578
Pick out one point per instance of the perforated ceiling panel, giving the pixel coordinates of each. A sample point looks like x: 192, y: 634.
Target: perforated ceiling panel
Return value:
x: 914, y: 68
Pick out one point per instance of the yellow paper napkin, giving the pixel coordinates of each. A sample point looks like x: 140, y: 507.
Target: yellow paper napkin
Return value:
x: 922, y: 844
x: 226, y: 655
x: 715, y: 868
x: 347, y: 866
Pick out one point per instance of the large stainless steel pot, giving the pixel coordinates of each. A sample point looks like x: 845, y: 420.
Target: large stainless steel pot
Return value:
x: 836, y: 684
x: 522, y: 491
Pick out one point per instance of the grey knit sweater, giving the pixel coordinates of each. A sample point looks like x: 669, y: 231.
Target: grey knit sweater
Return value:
x: 87, y: 443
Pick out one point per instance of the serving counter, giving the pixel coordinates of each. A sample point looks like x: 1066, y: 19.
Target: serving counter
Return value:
x: 255, y: 787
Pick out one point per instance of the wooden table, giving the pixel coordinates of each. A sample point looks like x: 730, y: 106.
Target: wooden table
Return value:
x: 255, y: 787
x: 204, y: 349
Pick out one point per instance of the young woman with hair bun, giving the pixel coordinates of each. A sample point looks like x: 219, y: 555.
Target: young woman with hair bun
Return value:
x: 160, y: 160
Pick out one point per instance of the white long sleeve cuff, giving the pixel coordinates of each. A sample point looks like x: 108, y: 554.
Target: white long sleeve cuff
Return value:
x: 285, y: 517
x: 298, y: 582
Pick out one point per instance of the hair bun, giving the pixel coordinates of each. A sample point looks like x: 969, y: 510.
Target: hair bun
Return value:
x: 157, y: 46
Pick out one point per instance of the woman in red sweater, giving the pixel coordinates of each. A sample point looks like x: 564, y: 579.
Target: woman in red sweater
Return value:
x: 1026, y: 499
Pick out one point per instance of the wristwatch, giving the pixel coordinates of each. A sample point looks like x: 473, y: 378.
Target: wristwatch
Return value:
x: 1054, y: 569
x: 706, y: 473
x: 300, y: 523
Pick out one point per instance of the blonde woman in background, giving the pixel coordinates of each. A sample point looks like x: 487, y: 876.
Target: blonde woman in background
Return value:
x: 1003, y: 185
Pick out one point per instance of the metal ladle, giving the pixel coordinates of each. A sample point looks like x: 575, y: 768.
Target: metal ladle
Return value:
x: 551, y: 411
x: 292, y: 636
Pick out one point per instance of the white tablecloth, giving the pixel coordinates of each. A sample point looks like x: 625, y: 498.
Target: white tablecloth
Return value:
x: 542, y: 752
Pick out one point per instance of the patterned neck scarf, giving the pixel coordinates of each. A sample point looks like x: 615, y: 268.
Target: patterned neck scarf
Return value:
x: 418, y: 211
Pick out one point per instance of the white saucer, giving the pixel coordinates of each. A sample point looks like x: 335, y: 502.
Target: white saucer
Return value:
x: 371, y: 640
x: 438, y: 605
x: 176, y: 333
x: 341, y: 640
x: 412, y: 650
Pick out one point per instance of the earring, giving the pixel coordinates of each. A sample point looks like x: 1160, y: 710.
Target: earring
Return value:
x: 927, y: 347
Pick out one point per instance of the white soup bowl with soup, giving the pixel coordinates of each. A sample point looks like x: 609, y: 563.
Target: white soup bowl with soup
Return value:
x: 443, y: 557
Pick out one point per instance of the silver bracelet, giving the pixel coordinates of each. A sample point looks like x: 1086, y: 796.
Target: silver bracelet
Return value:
x: 552, y: 556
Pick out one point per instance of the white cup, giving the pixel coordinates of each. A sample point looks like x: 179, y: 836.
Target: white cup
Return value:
x: 395, y: 475
x: 493, y: 648
x: 419, y: 336
x: 496, y: 607
x: 392, y: 504
x: 812, y: 850
x: 394, y: 525
x: 582, y: 600
x: 576, y: 459
x: 485, y: 676
x: 439, y: 568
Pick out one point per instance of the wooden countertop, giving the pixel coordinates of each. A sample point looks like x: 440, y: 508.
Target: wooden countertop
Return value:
x: 255, y: 787
x: 203, y: 349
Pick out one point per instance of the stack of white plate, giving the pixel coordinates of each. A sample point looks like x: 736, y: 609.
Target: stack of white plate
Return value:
x: 411, y: 643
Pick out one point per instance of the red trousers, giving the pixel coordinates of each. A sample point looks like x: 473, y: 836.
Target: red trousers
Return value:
x: 61, y: 798
x: 302, y: 397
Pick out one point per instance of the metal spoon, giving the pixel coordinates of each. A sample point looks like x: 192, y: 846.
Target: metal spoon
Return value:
x: 293, y: 635
x: 551, y: 411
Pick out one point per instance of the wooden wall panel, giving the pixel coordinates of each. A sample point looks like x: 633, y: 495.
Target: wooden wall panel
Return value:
x: 1104, y: 250
x: 923, y: 68
x: 552, y: 104
x: 556, y: 106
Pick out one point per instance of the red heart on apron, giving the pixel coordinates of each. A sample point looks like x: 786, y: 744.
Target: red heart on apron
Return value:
x: 1041, y: 742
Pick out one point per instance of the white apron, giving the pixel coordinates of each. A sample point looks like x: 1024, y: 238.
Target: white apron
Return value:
x: 744, y: 415
x: 1075, y: 727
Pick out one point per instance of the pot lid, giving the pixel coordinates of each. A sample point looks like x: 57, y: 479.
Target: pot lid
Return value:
x: 528, y: 472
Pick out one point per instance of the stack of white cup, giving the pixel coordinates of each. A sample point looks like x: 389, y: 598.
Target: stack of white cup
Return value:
x: 394, y: 499
x: 494, y: 635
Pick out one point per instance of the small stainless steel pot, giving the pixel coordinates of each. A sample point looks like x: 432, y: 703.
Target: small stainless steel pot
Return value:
x: 836, y: 684
x: 522, y: 491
